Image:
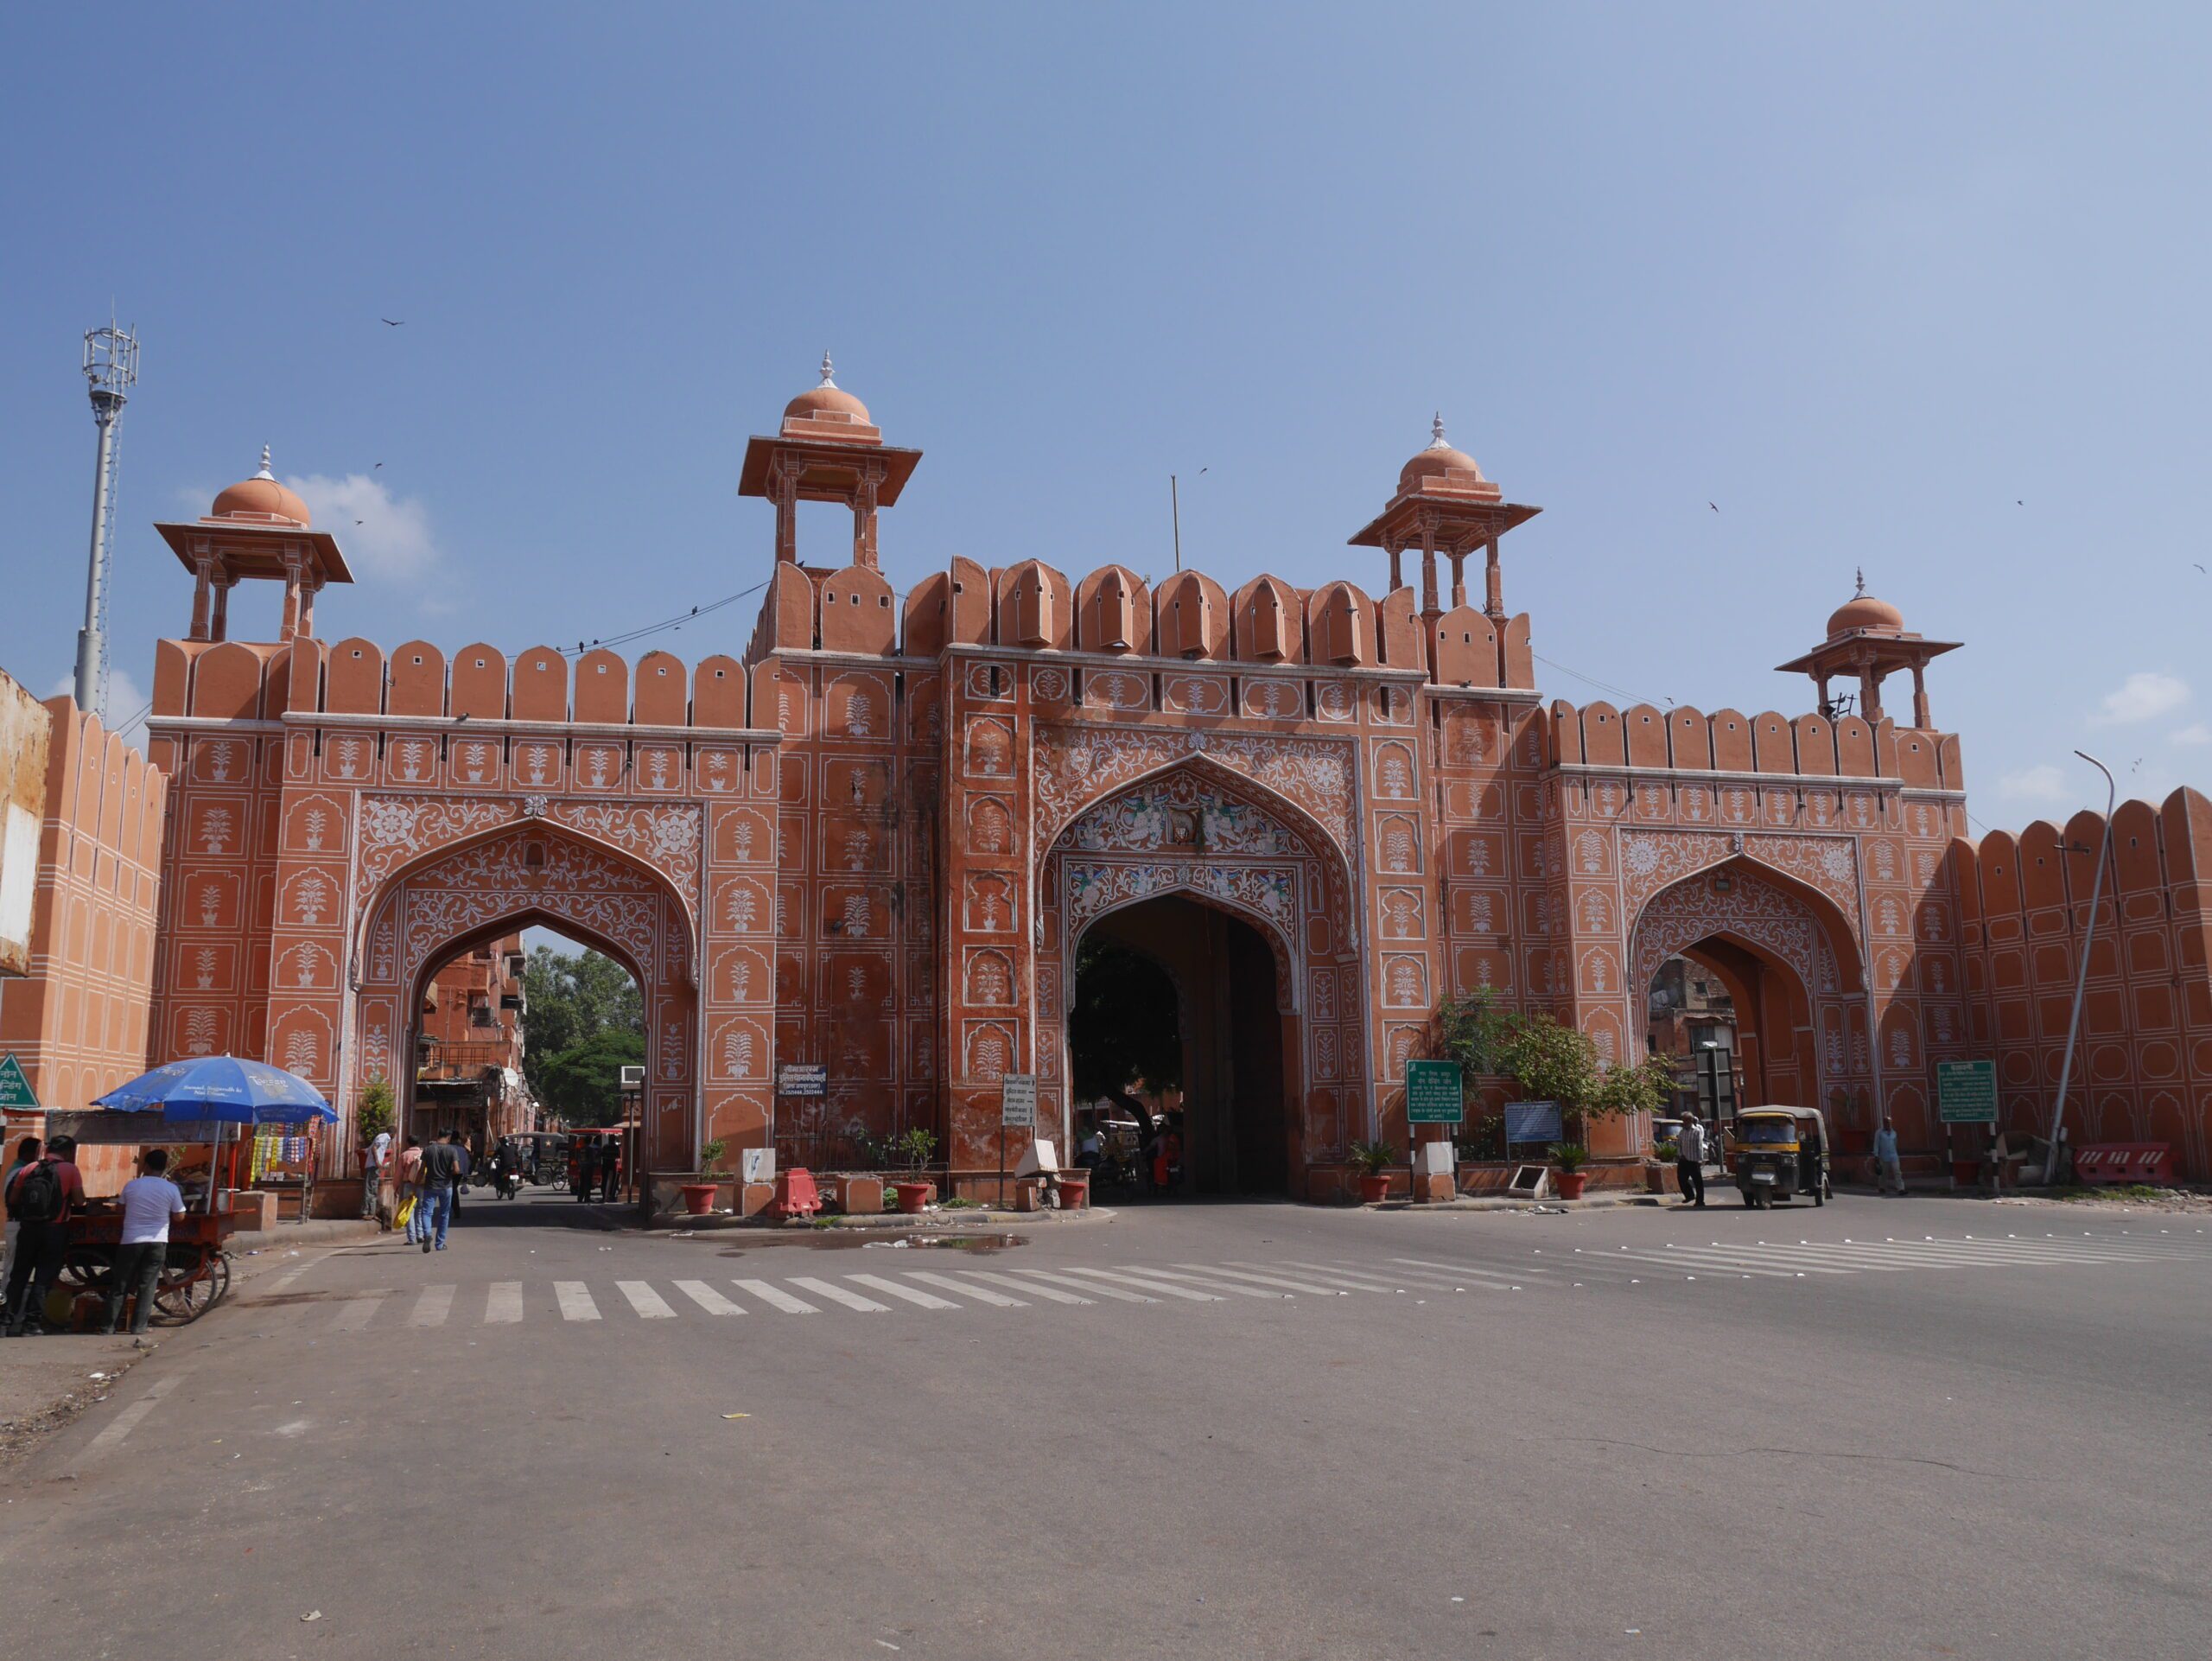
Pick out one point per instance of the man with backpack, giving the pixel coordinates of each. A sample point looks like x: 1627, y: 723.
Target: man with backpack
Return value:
x: 39, y: 1196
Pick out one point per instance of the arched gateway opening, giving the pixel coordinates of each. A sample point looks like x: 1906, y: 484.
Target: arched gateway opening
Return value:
x: 1751, y: 984
x: 478, y: 893
x: 1211, y: 1057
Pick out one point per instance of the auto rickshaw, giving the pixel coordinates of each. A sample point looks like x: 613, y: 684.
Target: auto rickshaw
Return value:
x: 1777, y: 1153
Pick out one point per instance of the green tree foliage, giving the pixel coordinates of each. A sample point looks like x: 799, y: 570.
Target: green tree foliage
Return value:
x: 584, y: 1017
x: 1123, y: 1028
x: 582, y: 1084
x: 373, y: 1109
x: 1548, y: 1062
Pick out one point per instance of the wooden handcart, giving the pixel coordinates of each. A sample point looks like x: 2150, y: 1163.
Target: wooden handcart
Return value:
x: 194, y: 1279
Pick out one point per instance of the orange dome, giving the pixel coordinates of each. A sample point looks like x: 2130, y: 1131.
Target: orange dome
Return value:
x: 1863, y: 613
x: 260, y: 498
x: 828, y: 402
x: 1439, y: 462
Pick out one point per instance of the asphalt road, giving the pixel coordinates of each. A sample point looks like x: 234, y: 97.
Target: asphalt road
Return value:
x: 1248, y: 1431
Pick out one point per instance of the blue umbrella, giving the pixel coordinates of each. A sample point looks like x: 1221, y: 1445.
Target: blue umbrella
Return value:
x: 222, y: 1089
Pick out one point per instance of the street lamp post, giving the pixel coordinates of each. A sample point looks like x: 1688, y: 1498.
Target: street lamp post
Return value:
x: 2082, y: 970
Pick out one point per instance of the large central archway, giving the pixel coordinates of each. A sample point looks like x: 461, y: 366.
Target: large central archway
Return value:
x: 1225, y: 846
x: 538, y: 874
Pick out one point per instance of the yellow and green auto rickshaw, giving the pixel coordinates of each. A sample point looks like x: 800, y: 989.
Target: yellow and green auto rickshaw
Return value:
x: 1777, y: 1153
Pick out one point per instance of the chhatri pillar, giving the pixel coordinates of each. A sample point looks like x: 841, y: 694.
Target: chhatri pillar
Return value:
x: 827, y: 450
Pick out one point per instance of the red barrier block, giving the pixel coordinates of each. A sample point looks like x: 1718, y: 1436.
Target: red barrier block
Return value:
x: 796, y: 1194
x: 2110, y: 1164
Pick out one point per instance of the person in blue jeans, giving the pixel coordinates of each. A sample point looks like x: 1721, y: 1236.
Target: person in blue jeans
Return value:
x: 443, y: 1163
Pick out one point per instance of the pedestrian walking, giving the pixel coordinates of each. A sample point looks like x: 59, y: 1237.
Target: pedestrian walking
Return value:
x: 587, y: 1168
x: 372, y: 1164
x: 1889, y: 1171
x: 407, y: 1187
x: 26, y: 1154
x: 150, y: 1200
x: 40, y: 1196
x: 610, y: 1172
x: 1689, y: 1159
x: 443, y: 1163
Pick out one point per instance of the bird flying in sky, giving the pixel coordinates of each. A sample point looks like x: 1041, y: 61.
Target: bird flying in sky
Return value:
x: 392, y: 322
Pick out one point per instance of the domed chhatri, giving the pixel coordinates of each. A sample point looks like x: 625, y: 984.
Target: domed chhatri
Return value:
x: 1442, y: 468
x: 830, y: 412
x: 260, y: 500
x: 1863, y: 615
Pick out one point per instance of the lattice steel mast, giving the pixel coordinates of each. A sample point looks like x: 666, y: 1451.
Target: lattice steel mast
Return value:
x: 111, y: 367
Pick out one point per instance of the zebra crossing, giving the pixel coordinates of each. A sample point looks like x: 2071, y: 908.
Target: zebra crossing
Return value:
x: 1556, y: 1268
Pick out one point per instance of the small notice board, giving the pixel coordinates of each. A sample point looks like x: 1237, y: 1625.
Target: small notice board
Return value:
x: 1966, y: 1092
x: 1533, y: 1122
x: 1018, y: 1101
x: 803, y: 1078
x: 1432, y: 1094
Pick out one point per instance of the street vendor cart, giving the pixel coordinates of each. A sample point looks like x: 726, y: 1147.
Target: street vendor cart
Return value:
x: 218, y: 1102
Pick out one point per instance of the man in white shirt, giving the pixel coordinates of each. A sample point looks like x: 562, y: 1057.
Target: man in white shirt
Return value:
x: 372, y: 1177
x: 1689, y: 1159
x: 1889, y: 1171
x: 148, y: 1202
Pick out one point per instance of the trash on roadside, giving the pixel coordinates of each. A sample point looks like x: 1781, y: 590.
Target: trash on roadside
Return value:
x: 737, y: 1416
x: 312, y: 1615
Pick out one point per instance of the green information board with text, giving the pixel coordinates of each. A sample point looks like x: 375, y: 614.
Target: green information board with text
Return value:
x: 1966, y: 1092
x: 1432, y: 1094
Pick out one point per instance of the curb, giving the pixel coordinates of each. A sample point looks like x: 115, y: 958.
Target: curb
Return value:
x: 1597, y: 1203
x: 672, y: 1225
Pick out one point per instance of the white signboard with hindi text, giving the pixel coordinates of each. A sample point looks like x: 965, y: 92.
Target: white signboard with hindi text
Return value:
x: 1018, y: 1101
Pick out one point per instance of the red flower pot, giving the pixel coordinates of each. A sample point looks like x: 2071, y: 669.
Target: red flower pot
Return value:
x: 698, y: 1198
x: 913, y: 1196
x: 1373, y: 1190
x: 1570, y: 1184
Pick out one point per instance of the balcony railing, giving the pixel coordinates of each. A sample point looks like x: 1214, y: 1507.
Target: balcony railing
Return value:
x: 448, y: 1062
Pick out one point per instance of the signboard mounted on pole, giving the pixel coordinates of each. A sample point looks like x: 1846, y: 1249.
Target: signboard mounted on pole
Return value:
x: 1966, y: 1092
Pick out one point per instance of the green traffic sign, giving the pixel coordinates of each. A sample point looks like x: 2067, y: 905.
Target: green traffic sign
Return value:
x: 1432, y: 1094
x: 16, y: 1093
x: 1966, y: 1092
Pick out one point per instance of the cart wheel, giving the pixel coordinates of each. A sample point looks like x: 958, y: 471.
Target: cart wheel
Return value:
x: 89, y: 1266
x: 194, y: 1291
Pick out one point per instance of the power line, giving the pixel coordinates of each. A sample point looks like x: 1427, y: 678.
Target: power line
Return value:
x: 677, y: 622
x: 1606, y: 686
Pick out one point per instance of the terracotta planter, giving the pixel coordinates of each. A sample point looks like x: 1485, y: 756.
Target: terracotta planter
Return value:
x: 1074, y: 1190
x: 1569, y: 1183
x: 913, y: 1196
x: 698, y: 1196
x: 1373, y: 1190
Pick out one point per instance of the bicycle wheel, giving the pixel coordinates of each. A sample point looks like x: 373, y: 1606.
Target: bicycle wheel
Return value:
x: 189, y: 1291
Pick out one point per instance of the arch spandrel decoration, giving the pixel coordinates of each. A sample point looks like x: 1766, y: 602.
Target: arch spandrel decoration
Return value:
x: 1198, y: 829
x: 1078, y: 767
x: 1650, y: 860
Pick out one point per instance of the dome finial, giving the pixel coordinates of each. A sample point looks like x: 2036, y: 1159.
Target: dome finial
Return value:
x: 826, y: 381
x: 1860, y: 593
x: 1436, y: 432
x: 264, y: 472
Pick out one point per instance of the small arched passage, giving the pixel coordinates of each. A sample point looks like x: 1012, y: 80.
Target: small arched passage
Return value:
x: 1232, y: 1096
x: 1787, y: 967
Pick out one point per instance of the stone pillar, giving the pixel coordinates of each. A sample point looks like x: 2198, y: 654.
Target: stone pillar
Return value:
x: 864, y: 519
x: 785, y: 488
x: 219, y: 621
x: 1920, y: 717
x: 1870, y: 693
x: 1458, y: 577
x: 1429, y: 608
x: 293, y: 585
x: 202, y: 586
x: 1397, y: 576
x: 1493, y: 585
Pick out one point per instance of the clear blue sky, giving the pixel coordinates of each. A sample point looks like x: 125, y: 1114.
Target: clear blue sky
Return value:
x: 1869, y: 281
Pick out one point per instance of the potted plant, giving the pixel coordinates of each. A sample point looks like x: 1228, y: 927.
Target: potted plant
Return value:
x: 699, y: 1197
x: 1372, y: 1159
x: 1570, y: 1158
x: 914, y: 1148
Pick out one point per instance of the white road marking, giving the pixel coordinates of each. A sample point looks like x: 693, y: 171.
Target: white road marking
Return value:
x: 432, y: 1305
x: 980, y: 1294
x: 1187, y: 1294
x: 1058, y: 1279
x: 777, y: 1298
x: 648, y: 1304
x: 708, y: 1299
x: 356, y: 1312
x: 1328, y: 1277
x: 1751, y: 1262
x: 838, y: 1295
x: 503, y: 1303
x: 1050, y: 1294
x: 127, y: 1420
x: 1209, y: 1283
x: 893, y: 1288
x: 1373, y: 1283
x: 575, y: 1298
x: 1284, y: 1281
x: 1514, y: 1275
